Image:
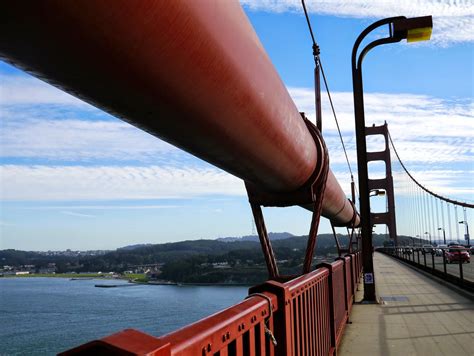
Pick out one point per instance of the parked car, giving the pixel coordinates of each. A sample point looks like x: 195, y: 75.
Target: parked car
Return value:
x: 427, y: 249
x: 457, y: 253
x: 439, y: 250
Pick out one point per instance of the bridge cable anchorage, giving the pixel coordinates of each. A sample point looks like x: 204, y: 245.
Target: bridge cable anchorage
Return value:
x: 319, y: 68
x: 268, y: 332
x: 310, y: 195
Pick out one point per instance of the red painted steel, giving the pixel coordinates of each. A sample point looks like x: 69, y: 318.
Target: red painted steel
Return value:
x: 126, y: 342
x: 238, y: 330
x: 305, y: 313
x: 338, y: 300
x: 191, y: 72
x: 348, y: 283
x: 354, y: 274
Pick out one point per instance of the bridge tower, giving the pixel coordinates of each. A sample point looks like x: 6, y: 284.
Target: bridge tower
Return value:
x: 386, y: 184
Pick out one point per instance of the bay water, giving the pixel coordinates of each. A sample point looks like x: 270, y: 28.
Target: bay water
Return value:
x: 44, y: 316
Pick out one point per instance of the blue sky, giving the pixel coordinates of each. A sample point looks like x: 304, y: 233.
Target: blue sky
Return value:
x: 74, y: 177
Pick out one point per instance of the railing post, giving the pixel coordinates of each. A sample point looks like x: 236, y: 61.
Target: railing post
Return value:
x: 444, y: 262
x: 460, y: 267
x: 281, y: 320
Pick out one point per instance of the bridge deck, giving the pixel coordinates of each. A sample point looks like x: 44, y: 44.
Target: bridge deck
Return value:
x: 427, y: 319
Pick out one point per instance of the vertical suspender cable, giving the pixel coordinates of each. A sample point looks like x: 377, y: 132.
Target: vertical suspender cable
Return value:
x: 442, y: 218
x: 449, y: 223
x: 437, y: 220
x: 456, y: 222
x: 433, y: 215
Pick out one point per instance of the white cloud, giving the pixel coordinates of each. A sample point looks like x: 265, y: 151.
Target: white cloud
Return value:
x: 106, y: 207
x: 434, y: 137
x: 453, y: 20
x: 54, y: 131
x: 437, y: 180
x: 417, y: 120
x: 76, y: 140
x: 63, y: 183
x: 75, y: 214
x: 26, y: 90
x: 417, y: 123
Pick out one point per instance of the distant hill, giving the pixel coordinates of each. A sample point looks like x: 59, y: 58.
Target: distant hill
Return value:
x: 192, y: 261
x: 273, y: 236
x: 133, y: 247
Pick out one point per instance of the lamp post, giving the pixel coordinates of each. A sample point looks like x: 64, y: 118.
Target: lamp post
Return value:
x: 444, y: 234
x: 377, y: 192
x: 429, y: 236
x: 466, y: 236
x: 415, y: 29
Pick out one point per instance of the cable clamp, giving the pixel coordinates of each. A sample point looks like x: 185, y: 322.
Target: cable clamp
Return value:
x: 268, y: 332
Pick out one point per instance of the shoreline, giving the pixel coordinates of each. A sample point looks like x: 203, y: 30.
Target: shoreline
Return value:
x: 83, y: 277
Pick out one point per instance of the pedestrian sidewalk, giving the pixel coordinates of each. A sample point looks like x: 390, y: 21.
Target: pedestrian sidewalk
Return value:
x: 416, y: 316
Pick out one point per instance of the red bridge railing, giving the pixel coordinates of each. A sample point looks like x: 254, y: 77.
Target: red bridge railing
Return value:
x: 306, y: 316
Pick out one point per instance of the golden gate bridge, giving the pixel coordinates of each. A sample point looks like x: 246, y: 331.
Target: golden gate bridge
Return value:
x: 194, y: 74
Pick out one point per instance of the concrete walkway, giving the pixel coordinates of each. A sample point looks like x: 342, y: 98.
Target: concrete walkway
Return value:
x: 416, y: 316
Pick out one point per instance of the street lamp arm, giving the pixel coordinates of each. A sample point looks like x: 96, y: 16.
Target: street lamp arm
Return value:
x: 367, y: 31
x: 372, y: 45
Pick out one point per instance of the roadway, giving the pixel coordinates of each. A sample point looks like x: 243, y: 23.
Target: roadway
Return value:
x: 415, y: 316
x: 453, y: 269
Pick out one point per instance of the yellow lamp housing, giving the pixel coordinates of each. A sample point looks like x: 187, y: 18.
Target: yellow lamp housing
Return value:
x: 414, y: 29
x: 419, y: 34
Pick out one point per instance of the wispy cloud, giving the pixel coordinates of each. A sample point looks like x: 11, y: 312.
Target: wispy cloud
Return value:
x: 438, y: 180
x: 417, y: 123
x: 78, y: 140
x: 40, y: 121
x: 452, y: 20
x: 105, y: 207
x: 23, y: 89
x: 75, y: 214
x: 64, y: 183
x: 434, y: 137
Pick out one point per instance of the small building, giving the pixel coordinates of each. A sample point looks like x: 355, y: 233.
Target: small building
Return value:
x: 47, y: 270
